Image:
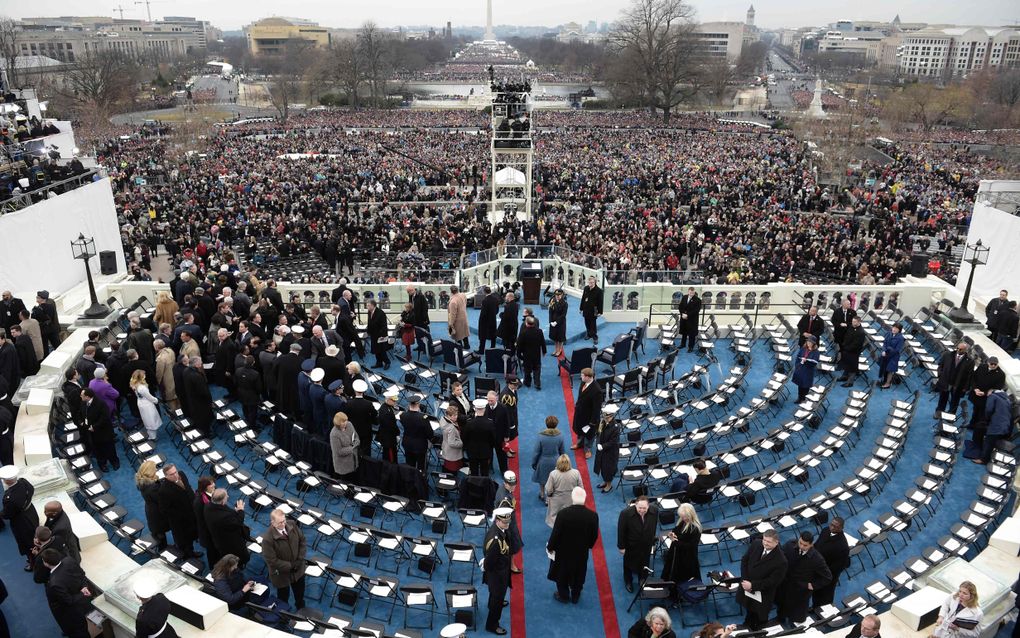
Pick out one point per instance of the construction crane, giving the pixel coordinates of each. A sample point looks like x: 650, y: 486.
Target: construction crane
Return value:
x: 120, y: 8
x: 148, y: 9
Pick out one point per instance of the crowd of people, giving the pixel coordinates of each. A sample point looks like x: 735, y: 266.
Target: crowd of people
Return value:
x: 722, y: 201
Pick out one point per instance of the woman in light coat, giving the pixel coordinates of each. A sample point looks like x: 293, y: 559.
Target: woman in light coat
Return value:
x: 961, y: 606
x: 548, y: 448
x: 557, y: 489
x: 457, y: 318
x: 166, y: 308
x: 453, y: 445
x: 165, y: 361
x: 344, y: 441
x: 147, y: 404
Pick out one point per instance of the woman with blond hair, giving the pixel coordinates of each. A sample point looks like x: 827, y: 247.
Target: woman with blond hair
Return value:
x: 147, y: 404
x: 148, y: 482
x: 960, y: 615
x: 682, y: 564
x: 166, y: 308
x: 558, y: 486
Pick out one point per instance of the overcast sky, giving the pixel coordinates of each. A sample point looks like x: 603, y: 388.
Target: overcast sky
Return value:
x: 233, y: 14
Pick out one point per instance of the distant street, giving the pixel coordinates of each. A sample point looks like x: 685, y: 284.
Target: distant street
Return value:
x: 226, y: 90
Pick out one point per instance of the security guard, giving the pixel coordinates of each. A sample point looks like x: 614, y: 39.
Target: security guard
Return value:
x: 496, y: 568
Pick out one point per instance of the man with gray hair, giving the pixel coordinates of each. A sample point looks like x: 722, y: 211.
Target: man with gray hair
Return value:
x: 140, y: 340
x: 227, y: 531
x: 573, y: 535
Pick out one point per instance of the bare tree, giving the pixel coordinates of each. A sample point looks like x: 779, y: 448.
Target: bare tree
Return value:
x: 349, y: 69
x: 9, y: 32
x: 717, y: 74
x: 99, y: 81
x: 929, y: 105
x: 373, y: 45
x: 287, y: 70
x: 658, y: 36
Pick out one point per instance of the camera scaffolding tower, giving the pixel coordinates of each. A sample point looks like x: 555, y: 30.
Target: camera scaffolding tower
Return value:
x: 512, y: 152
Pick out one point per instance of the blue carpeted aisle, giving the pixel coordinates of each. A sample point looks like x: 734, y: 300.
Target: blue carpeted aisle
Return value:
x: 534, y: 610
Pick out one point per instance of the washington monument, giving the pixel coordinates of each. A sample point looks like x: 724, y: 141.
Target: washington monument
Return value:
x: 489, y: 35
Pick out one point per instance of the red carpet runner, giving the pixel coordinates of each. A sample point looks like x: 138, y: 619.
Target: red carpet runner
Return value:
x: 518, y: 627
x: 598, y: 552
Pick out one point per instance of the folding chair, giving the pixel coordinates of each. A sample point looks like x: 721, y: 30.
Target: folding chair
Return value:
x: 461, y: 554
x: 462, y: 605
x: 419, y: 597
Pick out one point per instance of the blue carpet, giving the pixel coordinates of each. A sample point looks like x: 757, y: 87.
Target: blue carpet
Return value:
x: 542, y: 615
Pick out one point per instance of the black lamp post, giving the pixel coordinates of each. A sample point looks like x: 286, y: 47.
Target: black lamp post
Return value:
x: 85, y: 249
x: 975, y: 255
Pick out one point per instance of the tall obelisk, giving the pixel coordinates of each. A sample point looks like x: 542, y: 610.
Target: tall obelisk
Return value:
x: 489, y: 35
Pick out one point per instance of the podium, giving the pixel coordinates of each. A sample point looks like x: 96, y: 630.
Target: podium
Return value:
x: 530, y: 274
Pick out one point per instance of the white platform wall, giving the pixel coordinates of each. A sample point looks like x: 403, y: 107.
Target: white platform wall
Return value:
x: 1001, y: 233
x: 35, y: 242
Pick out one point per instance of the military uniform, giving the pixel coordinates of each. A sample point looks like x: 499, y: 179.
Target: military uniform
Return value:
x: 496, y: 567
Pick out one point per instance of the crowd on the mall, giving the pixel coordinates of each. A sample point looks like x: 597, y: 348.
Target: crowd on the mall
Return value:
x: 722, y: 202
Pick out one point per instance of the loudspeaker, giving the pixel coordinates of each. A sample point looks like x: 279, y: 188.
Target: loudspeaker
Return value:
x: 107, y: 262
x: 919, y: 265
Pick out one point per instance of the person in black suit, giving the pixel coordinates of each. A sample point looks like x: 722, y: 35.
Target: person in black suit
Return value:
x: 690, y: 310
x: 10, y: 310
x: 762, y: 570
x: 288, y: 366
x: 586, y: 412
x: 99, y: 425
x: 574, y: 533
x: 850, y: 349
x: 841, y: 321
x: 479, y: 438
x: 635, y: 536
x: 558, y: 307
x: 378, y: 331
x: 420, y: 308
x: 508, y: 326
x: 993, y: 312
x: 44, y: 539
x: 175, y: 500
x: 530, y: 349
x: 223, y: 364
x: 498, y: 549
x: 72, y: 394
x: 810, y: 325
x: 151, y: 621
x: 363, y: 416
x: 487, y: 319
x: 28, y: 364
x: 417, y: 433
x: 227, y: 531
x: 806, y: 571
x: 704, y: 481
x: 591, y: 308
x: 60, y: 525
x: 869, y: 627
x: 248, y: 386
x: 831, y: 544
x: 198, y: 397
x: 67, y: 593
x: 18, y: 509
x: 271, y: 294
x: 955, y: 371
x: 498, y: 414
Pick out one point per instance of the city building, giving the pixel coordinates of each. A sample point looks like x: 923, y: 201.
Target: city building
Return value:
x: 723, y: 39
x: 958, y: 51
x: 68, y: 37
x: 270, y: 36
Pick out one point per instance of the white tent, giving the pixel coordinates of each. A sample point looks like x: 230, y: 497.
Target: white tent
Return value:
x: 510, y: 176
